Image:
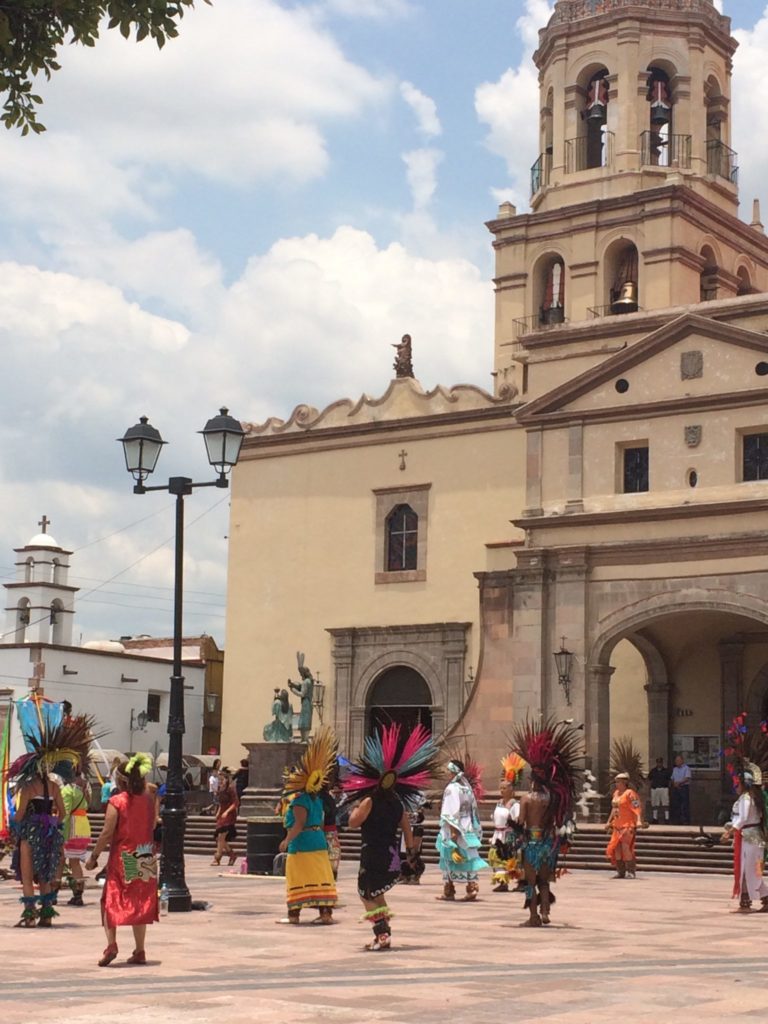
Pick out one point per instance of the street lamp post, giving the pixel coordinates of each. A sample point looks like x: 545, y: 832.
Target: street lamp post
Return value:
x: 142, y: 443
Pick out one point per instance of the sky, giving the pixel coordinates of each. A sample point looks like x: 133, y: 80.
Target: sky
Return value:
x: 251, y: 217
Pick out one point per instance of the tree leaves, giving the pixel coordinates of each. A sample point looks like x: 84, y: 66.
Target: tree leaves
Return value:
x: 32, y: 31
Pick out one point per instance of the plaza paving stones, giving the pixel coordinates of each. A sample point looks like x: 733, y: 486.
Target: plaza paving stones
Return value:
x: 661, y: 948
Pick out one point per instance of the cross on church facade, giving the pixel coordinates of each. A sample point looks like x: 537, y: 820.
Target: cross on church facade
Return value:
x: 45, y: 522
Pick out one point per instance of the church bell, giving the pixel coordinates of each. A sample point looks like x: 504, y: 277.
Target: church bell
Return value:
x: 660, y: 105
x: 626, y: 301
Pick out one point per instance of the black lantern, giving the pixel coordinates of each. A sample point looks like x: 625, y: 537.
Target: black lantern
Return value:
x: 141, y: 447
x: 223, y: 437
x: 563, y: 661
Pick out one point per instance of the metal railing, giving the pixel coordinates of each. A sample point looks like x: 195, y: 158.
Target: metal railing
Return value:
x: 672, y: 151
x: 722, y: 161
x: 540, y: 173
x: 541, y: 321
x: 586, y: 152
x: 598, y: 312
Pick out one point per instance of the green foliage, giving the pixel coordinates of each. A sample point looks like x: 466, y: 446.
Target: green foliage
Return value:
x: 32, y: 31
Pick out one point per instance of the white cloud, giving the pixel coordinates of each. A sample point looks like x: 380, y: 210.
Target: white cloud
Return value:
x: 506, y: 105
x: 750, y: 115
x: 424, y: 108
x: 421, y: 171
x: 237, y: 120
x: 378, y: 9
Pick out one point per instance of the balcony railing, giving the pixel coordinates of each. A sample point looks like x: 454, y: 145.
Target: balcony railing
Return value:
x: 669, y: 151
x: 588, y: 151
x: 540, y: 321
x: 598, y: 312
x: 540, y: 173
x: 722, y: 161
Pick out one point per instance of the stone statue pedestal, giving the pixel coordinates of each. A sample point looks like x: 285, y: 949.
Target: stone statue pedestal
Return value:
x: 266, y: 762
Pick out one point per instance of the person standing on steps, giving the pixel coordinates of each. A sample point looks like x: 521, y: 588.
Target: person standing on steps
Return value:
x: 659, y: 779
x: 680, y: 793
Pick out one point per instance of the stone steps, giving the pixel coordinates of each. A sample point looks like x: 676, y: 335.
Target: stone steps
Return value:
x: 660, y: 848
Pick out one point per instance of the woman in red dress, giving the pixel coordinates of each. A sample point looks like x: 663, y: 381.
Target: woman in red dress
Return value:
x: 130, y: 891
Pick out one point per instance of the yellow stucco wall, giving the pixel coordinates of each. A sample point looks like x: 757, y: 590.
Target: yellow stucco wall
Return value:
x: 302, y: 554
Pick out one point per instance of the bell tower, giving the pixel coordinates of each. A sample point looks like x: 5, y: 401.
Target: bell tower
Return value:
x: 634, y: 194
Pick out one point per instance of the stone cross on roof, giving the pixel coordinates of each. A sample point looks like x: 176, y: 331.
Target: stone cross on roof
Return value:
x: 45, y: 522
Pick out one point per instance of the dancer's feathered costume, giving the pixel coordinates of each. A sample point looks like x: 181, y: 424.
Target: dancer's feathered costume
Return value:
x: 461, y: 834
x: 394, y: 771
x: 747, y: 753
x: 309, y: 880
x: 51, y: 743
x: 626, y: 808
x: 504, y: 847
x: 554, y: 752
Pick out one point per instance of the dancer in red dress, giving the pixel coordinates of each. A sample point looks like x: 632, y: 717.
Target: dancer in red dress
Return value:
x: 130, y: 890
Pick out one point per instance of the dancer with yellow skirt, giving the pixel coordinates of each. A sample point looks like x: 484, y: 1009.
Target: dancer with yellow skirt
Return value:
x: 309, y: 880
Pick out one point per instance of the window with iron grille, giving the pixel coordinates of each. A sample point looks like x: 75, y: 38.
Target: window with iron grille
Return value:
x: 635, y: 470
x: 755, y: 464
x: 402, y: 539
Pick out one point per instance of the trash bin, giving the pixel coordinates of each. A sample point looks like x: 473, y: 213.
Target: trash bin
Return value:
x: 264, y: 837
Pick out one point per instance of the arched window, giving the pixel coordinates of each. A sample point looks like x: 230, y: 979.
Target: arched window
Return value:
x: 57, y: 621
x: 622, y: 278
x: 550, y: 291
x: 596, y: 118
x: 29, y: 570
x: 708, y: 276
x: 721, y: 159
x: 658, y: 148
x: 402, y: 539
x: 22, y: 620
x: 745, y: 283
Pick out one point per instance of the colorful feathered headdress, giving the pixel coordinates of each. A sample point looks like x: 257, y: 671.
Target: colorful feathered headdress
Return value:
x: 512, y: 767
x: 747, y: 751
x: 627, y: 760
x: 554, y: 751
x: 394, y: 762
x: 69, y: 741
x: 316, y: 767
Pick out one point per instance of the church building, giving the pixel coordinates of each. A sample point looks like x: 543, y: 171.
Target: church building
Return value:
x: 432, y: 552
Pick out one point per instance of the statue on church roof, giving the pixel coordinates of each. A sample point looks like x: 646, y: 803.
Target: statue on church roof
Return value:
x: 402, y: 364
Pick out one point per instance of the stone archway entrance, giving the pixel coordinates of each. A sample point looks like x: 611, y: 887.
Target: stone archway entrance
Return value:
x: 400, y: 695
x: 704, y: 666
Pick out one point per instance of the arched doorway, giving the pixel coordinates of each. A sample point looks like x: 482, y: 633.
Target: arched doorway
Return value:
x: 401, y: 695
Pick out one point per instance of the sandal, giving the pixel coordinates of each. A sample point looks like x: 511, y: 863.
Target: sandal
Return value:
x: 28, y: 917
x: 138, y: 956
x: 108, y: 955
x: 379, y: 943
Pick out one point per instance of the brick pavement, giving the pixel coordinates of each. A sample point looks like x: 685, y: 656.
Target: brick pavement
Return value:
x: 655, y: 949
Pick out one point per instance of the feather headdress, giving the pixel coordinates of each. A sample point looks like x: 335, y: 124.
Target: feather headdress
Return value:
x: 553, y: 750
x: 396, y: 762
x: 627, y: 760
x: 747, y: 750
x: 69, y: 741
x: 316, y: 767
x: 512, y: 767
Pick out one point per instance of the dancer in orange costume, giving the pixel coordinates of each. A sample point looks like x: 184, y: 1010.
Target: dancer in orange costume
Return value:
x: 625, y: 819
